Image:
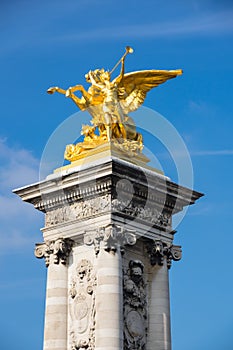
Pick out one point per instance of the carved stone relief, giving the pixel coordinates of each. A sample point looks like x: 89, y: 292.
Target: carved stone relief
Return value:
x: 158, y: 250
x: 135, y: 307
x: 94, y: 206
x: 57, y: 251
x: 149, y: 214
x: 78, y: 210
x: 82, y: 307
x: 110, y: 237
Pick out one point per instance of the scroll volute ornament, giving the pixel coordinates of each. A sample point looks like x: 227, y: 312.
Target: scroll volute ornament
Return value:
x: 56, y: 251
x: 158, y: 251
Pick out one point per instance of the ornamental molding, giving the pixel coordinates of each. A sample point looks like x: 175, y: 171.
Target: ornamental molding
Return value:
x: 110, y: 238
x: 135, y: 306
x: 159, y: 251
x: 55, y: 252
x: 64, y: 197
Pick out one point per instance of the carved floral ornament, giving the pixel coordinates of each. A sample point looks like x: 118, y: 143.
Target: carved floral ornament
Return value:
x: 55, y: 251
x: 159, y: 251
x: 110, y: 237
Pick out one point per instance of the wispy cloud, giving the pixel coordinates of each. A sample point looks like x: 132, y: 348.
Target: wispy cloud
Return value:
x: 208, y: 24
x: 17, y: 167
x: 192, y: 153
x: 187, y: 23
x: 200, y: 108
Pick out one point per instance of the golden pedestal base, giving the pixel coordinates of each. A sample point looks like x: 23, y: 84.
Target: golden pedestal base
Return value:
x: 108, y: 150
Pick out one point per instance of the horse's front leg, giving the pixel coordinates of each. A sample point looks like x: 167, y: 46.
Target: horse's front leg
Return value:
x: 72, y: 89
x: 82, y: 102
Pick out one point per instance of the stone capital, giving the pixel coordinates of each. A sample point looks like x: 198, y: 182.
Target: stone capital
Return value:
x: 55, y: 251
x: 110, y: 237
x: 158, y: 251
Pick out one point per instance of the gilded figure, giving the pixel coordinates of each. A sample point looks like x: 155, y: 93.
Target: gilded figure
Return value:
x: 110, y: 101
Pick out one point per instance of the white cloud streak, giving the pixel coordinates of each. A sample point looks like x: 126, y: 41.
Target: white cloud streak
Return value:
x: 209, y: 24
x: 201, y: 23
x: 18, y: 220
x: 201, y: 153
x: 18, y: 167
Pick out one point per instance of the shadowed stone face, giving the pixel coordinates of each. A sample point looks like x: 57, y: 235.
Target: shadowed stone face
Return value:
x: 136, y: 274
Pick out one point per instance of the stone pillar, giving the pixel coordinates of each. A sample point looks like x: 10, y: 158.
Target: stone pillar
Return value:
x: 109, y: 323
x: 159, y: 330
x: 159, y: 333
x: 109, y: 242
x: 111, y: 204
x: 55, y: 327
x: 55, y: 335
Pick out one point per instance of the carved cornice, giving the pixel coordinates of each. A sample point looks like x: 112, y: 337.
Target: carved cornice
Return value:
x: 55, y: 251
x: 110, y: 237
x: 92, y: 181
x: 159, y: 251
x: 64, y: 197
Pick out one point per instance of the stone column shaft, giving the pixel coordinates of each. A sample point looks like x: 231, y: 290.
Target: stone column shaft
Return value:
x: 55, y: 334
x: 159, y: 332
x: 109, y: 322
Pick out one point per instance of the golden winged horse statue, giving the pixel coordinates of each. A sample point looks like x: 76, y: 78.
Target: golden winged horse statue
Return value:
x: 109, y: 103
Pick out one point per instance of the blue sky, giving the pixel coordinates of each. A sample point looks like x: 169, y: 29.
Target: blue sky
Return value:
x: 55, y: 43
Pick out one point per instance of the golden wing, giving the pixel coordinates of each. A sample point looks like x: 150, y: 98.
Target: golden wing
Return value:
x: 134, y: 86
